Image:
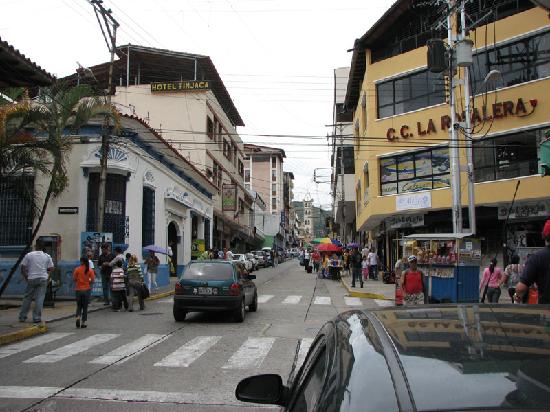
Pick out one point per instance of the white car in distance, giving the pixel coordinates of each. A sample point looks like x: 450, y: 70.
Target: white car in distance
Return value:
x: 239, y: 257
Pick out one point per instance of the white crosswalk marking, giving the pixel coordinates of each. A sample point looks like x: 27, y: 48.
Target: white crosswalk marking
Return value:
x: 292, y: 300
x: 322, y: 300
x: 31, y: 343
x: 264, y: 298
x: 72, y: 349
x: 384, y: 303
x: 125, y: 352
x: 28, y: 392
x: 190, y: 352
x: 251, y: 354
x: 351, y: 301
x: 305, y: 344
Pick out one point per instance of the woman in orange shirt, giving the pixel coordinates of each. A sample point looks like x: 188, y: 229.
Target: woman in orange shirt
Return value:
x: 83, y: 278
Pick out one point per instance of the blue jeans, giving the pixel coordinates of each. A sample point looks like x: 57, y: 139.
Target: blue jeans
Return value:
x: 36, y: 288
x: 106, y: 286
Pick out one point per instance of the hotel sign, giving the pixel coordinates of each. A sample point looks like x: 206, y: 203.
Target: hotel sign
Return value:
x: 181, y: 86
x: 499, y: 110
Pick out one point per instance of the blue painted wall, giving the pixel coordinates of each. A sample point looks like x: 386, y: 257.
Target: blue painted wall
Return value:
x: 18, y: 285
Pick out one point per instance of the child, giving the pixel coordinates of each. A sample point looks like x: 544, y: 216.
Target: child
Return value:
x: 365, y: 268
x: 118, y: 287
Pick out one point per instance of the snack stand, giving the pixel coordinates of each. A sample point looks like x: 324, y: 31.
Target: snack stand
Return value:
x: 450, y: 263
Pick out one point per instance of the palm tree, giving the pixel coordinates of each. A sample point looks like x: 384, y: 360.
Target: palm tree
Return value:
x: 58, y: 112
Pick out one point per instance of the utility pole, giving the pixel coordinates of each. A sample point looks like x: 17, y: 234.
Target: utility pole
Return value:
x: 454, y: 149
x: 108, y: 26
x: 342, y: 192
x: 468, y: 132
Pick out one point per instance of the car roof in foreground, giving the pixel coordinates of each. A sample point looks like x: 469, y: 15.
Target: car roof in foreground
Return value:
x: 459, y: 356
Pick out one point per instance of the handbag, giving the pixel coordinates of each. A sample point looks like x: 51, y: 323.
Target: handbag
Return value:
x: 144, y: 291
x: 533, y: 298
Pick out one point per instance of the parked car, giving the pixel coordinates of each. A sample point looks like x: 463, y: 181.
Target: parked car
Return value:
x: 241, y: 258
x: 260, y: 257
x: 215, y: 285
x: 440, y: 357
x: 253, y: 260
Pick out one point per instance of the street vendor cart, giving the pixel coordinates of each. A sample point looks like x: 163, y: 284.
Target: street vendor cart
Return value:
x: 450, y: 263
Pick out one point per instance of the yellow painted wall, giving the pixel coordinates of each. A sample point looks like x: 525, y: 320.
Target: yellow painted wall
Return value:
x: 372, y: 131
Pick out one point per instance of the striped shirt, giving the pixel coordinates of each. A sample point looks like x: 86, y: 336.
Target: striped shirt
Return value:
x: 117, y: 279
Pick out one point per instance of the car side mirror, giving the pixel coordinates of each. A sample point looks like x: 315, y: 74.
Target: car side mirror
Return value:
x: 265, y: 389
x: 251, y: 277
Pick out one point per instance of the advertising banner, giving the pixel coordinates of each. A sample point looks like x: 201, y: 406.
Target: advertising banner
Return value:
x: 229, y: 197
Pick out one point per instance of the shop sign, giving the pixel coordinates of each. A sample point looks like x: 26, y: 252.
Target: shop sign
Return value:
x: 67, y: 210
x: 181, y: 197
x: 402, y: 221
x: 413, y: 201
x: 180, y: 86
x: 498, y: 110
x: 229, y: 198
x: 525, y: 210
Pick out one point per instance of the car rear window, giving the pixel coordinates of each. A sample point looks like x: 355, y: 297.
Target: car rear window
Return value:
x: 208, y: 271
x: 236, y: 257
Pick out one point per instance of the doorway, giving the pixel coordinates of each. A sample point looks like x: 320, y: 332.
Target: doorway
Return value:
x: 173, y: 245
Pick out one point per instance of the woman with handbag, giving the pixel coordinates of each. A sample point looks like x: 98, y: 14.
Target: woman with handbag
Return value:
x: 490, y: 282
x: 135, y: 283
x: 83, y: 278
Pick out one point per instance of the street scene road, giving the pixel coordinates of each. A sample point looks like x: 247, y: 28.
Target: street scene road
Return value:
x: 154, y: 363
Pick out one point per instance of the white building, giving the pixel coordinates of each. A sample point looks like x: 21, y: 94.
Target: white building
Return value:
x: 153, y: 196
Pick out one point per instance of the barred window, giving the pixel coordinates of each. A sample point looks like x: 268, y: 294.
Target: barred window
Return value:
x: 16, y: 210
x: 148, y: 217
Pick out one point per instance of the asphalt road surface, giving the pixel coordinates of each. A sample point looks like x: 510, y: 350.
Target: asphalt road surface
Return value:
x: 145, y: 361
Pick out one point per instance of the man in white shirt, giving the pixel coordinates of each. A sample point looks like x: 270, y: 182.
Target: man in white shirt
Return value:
x: 35, y: 269
x: 372, y: 258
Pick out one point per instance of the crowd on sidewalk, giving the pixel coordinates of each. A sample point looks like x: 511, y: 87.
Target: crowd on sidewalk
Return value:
x: 121, y: 280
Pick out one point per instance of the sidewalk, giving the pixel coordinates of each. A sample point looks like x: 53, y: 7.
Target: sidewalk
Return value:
x: 372, y: 289
x: 11, y: 330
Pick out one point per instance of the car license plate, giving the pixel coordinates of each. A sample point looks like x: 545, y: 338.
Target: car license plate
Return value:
x: 205, y: 291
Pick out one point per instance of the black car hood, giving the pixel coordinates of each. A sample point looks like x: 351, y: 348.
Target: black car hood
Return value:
x: 471, y: 356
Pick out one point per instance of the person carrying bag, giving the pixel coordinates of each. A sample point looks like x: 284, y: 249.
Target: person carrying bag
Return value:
x: 135, y: 283
x: 413, y: 284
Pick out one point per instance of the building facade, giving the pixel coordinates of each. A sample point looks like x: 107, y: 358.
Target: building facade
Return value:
x: 402, y: 121
x: 342, y: 163
x: 183, y: 98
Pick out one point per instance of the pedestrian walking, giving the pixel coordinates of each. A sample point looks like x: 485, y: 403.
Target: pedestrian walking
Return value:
x: 355, y: 262
x: 83, y: 277
x: 491, y: 282
x: 512, y: 273
x: 306, y: 259
x: 537, y: 270
x: 36, y: 267
x: 345, y: 259
x: 135, y: 283
x: 152, y: 263
x: 373, y: 264
x: 413, y: 283
x: 365, y: 268
x: 104, y: 263
x: 316, y: 257
x: 118, y: 287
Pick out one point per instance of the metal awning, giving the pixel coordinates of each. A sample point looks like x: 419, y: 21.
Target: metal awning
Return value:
x: 17, y: 70
x: 438, y: 236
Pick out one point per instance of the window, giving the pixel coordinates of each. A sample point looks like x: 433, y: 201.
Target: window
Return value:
x: 148, y: 217
x: 424, y: 170
x: 217, y: 174
x: 273, y: 175
x: 241, y: 169
x: 274, y: 162
x: 16, y: 210
x: 273, y: 203
x: 519, y: 62
x: 216, y: 135
x: 115, y: 205
x: 247, y: 175
x: 273, y: 189
x: 221, y: 133
x: 247, y: 186
x: 410, y: 92
x: 209, y: 127
x: 508, y: 156
x: 348, y: 160
x: 235, y: 155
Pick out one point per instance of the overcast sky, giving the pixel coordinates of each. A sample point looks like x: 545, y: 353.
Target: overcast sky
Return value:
x: 276, y: 57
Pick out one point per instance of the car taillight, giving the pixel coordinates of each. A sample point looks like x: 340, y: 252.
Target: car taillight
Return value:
x: 235, y: 289
x: 179, y: 289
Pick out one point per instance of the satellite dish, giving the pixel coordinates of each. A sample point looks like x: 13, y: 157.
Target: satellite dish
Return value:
x: 545, y: 4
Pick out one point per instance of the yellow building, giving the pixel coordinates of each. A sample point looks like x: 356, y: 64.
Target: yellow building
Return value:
x: 402, y: 121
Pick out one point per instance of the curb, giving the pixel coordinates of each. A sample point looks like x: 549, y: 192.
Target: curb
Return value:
x: 22, y: 334
x: 161, y: 295
x: 366, y: 295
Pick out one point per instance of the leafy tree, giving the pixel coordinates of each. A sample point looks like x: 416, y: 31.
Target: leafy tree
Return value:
x: 34, y: 137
